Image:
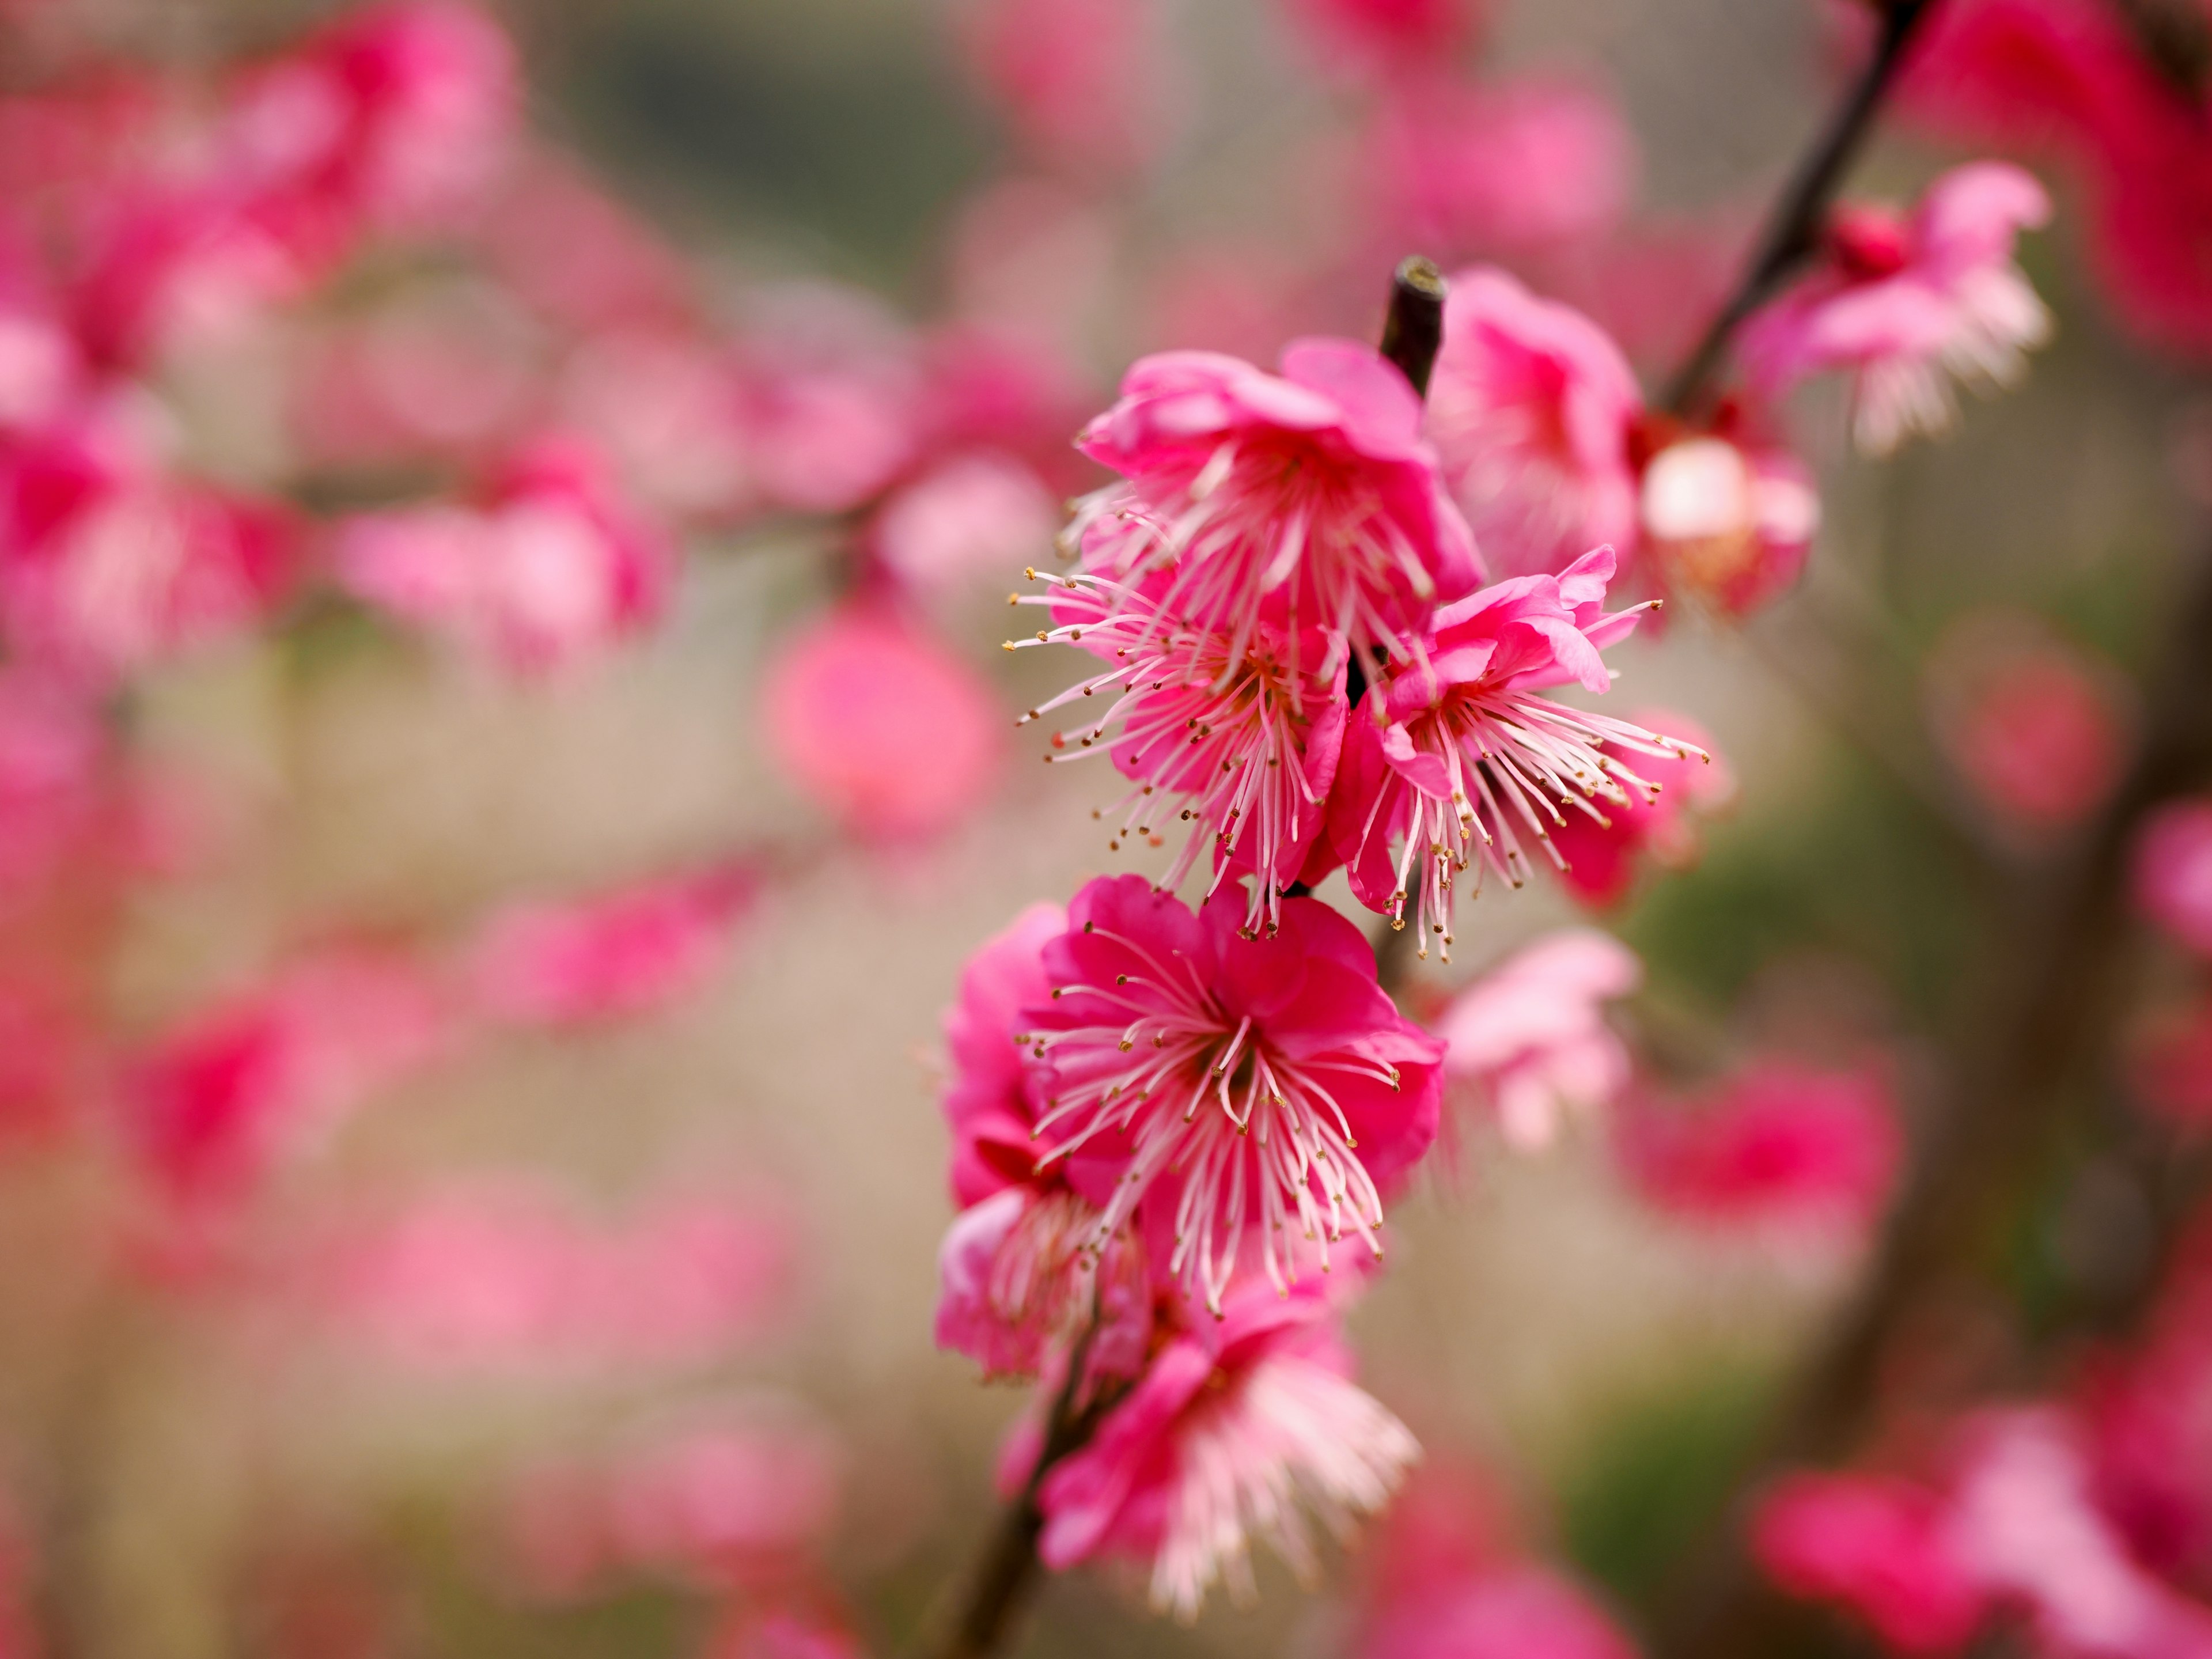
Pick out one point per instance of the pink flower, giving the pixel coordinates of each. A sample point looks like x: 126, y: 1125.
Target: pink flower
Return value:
x: 982, y: 512
x: 1233, y: 732
x: 670, y: 414
x: 1776, y: 1142
x: 1080, y: 81
x: 1531, y: 1032
x: 1905, y: 305
x: 1305, y: 501
x: 1251, y: 1090
x: 1473, y: 758
x: 218, y: 1100
x: 1531, y: 409
x: 1383, y: 36
x: 1601, y: 857
x: 552, y: 572
x: 2038, y: 728
x: 1878, y: 1546
x: 1236, y: 1422
x: 612, y: 956
x: 1729, y: 524
x: 1524, y: 167
x: 880, y: 724
x: 832, y: 398
x: 2173, y: 871
x: 1516, y: 1611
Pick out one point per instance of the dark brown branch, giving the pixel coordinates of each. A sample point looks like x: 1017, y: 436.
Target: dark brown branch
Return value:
x: 1414, y: 329
x: 2055, y: 985
x: 1793, y: 229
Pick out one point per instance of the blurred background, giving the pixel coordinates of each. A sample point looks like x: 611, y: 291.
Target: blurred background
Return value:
x: 468, y: 1059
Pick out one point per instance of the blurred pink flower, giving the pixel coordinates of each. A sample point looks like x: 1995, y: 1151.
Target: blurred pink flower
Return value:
x: 611, y: 956
x: 578, y: 255
x: 980, y: 513
x: 1727, y: 523
x: 1225, y: 1081
x: 2038, y: 728
x: 1531, y: 1034
x: 833, y: 398
x: 780, y: 1635
x: 2170, y: 1064
x: 1601, y: 858
x: 1905, y: 305
x: 552, y: 571
x: 1387, y: 37
x: 1307, y: 500
x: 1520, y: 168
x: 1080, y: 82
x: 1777, y: 1143
x: 1879, y: 1546
x: 1473, y: 758
x: 2173, y: 871
x: 1518, y: 1610
x: 214, y: 1104
x: 505, y: 1277
x: 1236, y: 734
x: 883, y: 727
x: 1236, y: 1422
x: 1530, y: 409
x: 670, y: 414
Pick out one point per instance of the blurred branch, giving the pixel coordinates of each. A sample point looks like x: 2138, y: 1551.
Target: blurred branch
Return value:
x: 2053, y: 992
x: 1414, y: 332
x: 1793, y: 229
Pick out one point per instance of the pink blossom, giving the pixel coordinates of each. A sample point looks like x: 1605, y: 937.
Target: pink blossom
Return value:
x: 1776, y: 1142
x: 1473, y: 758
x: 1601, y: 858
x: 1237, y: 1423
x: 832, y: 395
x: 881, y: 725
x: 54, y: 756
x: 1526, y: 167
x: 1729, y: 524
x: 1256, y: 1090
x: 2038, y: 728
x: 1879, y: 1546
x: 1305, y: 501
x: 611, y: 956
x: 1383, y: 36
x: 1531, y: 1033
x: 1080, y: 81
x: 980, y: 512
x: 218, y: 1100
x: 1517, y: 1611
x: 1905, y: 305
x: 1531, y: 409
x: 1231, y: 732
x: 551, y: 571
x: 2173, y: 871
x: 553, y: 236
x: 505, y: 1277
x: 108, y: 562
x: 670, y: 414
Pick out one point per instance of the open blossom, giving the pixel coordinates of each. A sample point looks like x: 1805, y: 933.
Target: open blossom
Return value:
x: 1247, y: 1093
x: 1603, y: 856
x: 1472, y: 758
x: 1531, y: 1032
x: 1237, y: 1424
x: 1906, y: 306
x: 611, y: 956
x: 881, y: 725
x: 1777, y: 1142
x: 1729, y: 523
x: 1020, y: 1262
x: 1878, y: 1545
x: 552, y: 570
x: 1232, y: 733
x: 1530, y: 408
x: 2173, y: 871
x: 1307, y: 499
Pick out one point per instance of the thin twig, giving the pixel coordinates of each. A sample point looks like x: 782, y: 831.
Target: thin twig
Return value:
x: 1793, y: 230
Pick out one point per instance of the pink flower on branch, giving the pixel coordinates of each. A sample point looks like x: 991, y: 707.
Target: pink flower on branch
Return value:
x: 1250, y: 1095
x: 1531, y: 409
x: 1907, y: 306
x: 1530, y: 1034
x: 1304, y: 500
x: 1464, y: 757
x: 1602, y: 857
x: 1237, y: 1425
x: 1729, y: 523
